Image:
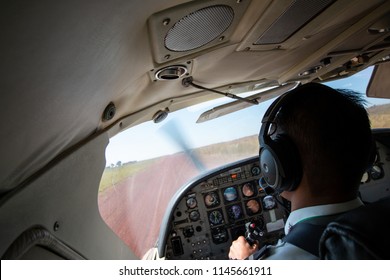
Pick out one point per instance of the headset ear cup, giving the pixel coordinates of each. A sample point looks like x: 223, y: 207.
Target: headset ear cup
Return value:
x: 270, y: 167
x: 280, y: 164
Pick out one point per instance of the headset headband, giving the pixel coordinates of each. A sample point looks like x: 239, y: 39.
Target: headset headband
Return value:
x: 272, y: 111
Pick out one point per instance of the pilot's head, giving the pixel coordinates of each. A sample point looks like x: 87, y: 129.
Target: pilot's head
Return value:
x: 317, y: 136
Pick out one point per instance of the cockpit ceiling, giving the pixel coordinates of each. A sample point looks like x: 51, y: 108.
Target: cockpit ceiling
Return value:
x: 64, y: 62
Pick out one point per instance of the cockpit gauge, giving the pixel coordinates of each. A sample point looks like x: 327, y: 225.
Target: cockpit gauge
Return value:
x: 376, y: 172
x: 215, y: 217
x: 194, y: 215
x: 230, y: 194
x: 234, y: 212
x: 252, y: 207
x: 255, y: 170
x: 191, y: 202
x: 248, y: 190
x: 211, y: 199
x: 269, y: 202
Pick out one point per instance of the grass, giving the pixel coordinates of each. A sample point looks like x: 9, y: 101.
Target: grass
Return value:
x: 380, y: 116
x: 114, y: 175
x: 380, y: 121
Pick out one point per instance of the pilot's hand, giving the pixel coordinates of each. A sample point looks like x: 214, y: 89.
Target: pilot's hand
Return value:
x: 241, y: 249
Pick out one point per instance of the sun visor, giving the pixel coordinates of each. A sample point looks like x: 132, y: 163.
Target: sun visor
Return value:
x: 232, y: 107
x: 379, y: 84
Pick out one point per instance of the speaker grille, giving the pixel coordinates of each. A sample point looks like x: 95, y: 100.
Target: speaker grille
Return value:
x: 295, y: 17
x: 199, y: 28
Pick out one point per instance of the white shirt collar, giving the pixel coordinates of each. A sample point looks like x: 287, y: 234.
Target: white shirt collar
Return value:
x: 320, y: 210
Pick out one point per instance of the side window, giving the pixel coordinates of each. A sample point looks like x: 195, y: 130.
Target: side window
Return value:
x: 377, y: 108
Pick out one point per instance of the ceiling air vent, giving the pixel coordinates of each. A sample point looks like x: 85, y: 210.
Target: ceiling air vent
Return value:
x: 171, y: 73
x: 299, y: 13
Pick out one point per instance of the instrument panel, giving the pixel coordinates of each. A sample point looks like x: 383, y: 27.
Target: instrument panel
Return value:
x: 206, y: 215
x: 215, y: 210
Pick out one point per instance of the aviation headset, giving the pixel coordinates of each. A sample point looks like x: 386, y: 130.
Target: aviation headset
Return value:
x: 280, y: 162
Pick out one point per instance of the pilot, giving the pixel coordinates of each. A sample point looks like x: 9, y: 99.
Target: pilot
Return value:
x: 315, y: 145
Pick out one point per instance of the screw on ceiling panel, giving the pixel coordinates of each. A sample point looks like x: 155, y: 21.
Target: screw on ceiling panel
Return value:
x: 56, y: 226
x: 166, y: 21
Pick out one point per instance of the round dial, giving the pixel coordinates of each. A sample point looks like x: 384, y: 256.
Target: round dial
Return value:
x: 230, y: 194
x: 211, y: 199
x: 215, y: 217
x: 234, y: 212
x: 248, y: 190
x: 269, y: 202
x: 252, y: 207
x: 255, y: 170
x: 194, y: 215
x: 191, y: 202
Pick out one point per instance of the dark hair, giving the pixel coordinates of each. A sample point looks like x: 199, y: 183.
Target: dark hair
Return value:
x: 332, y: 132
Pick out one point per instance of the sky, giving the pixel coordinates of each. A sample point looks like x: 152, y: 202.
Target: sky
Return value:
x: 150, y: 140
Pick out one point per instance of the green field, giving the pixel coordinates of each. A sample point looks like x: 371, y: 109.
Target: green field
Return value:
x: 380, y: 116
x: 114, y: 175
x: 223, y: 152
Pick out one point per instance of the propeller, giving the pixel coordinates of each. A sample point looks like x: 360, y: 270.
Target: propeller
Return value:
x: 173, y: 132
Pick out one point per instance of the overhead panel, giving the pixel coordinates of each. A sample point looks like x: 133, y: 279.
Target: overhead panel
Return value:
x: 299, y: 13
x: 193, y: 27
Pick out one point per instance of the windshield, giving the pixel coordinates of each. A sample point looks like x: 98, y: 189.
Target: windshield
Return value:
x: 148, y: 163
